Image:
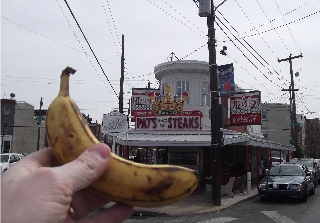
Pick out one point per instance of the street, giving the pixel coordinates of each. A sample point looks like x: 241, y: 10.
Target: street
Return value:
x: 279, y: 210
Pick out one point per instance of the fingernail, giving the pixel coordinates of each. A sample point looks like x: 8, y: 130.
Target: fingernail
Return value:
x: 100, y: 150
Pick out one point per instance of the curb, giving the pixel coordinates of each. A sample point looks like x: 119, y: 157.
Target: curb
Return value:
x: 142, y: 214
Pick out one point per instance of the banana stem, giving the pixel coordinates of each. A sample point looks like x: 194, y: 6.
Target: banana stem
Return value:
x: 64, y: 81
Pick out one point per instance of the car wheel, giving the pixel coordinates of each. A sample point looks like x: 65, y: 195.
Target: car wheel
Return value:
x: 304, y: 197
x: 312, y: 191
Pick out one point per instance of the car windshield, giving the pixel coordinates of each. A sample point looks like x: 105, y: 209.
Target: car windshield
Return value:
x: 4, y: 158
x: 307, y: 163
x: 285, y: 171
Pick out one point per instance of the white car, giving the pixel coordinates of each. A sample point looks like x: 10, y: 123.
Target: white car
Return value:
x: 8, y: 159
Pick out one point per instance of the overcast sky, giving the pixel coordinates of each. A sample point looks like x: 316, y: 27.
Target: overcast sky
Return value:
x: 40, y: 38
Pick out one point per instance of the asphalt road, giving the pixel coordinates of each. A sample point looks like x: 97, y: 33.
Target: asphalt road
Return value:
x: 253, y: 211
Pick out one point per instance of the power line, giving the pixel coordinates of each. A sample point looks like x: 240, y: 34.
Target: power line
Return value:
x: 271, y: 25
x: 90, y: 46
x: 270, y: 21
x: 277, y: 27
x: 249, y: 46
x: 285, y: 22
x: 62, y: 44
x: 245, y: 55
x: 184, y: 17
x: 175, y: 18
x: 113, y: 26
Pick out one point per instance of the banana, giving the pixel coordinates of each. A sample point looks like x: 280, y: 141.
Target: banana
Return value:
x: 124, y: 181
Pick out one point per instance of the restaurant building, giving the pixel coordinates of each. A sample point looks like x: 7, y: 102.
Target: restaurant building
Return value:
x: 172, y: 126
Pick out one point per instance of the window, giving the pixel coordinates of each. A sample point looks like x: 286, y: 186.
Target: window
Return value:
x: 181, y: 87
x: 6, y: 110
x: 205, y: 96
x: 264, y: 115
x: 6, y: 147
x: 163, y: 89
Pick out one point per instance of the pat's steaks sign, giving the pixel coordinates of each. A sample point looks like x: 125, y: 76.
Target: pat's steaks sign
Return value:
x: 188, y: 120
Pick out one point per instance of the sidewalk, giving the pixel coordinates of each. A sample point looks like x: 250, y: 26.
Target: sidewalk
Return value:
x: 195, y: 204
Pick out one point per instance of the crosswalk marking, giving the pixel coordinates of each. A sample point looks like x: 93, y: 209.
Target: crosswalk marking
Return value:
x: 278, y: 217
x: 219, y: 220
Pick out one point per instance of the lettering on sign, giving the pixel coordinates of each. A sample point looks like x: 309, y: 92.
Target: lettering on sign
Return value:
x: 245, y: 108
x: 168, y: 123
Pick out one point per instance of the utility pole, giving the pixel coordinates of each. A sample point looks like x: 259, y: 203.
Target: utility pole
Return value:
x: 216, y: 134
x: 293, y: 112
x: 121, y: 78
x: 39, y: 121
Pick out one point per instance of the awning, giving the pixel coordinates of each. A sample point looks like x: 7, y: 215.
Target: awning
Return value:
x: 196, y: 138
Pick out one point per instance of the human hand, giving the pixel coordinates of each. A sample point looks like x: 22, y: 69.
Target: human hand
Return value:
x: 35, y: 189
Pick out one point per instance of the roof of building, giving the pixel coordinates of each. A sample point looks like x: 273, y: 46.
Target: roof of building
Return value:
x: 195, y: 138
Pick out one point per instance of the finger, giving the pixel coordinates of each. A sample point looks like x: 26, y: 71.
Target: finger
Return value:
x: 84, y: 202
x: 115, y: 214
x: 87, y: 168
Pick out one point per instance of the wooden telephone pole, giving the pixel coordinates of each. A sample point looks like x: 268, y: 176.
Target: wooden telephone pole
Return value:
x: 121, y: 78
x: 293, y: 112
x: 216, y: 134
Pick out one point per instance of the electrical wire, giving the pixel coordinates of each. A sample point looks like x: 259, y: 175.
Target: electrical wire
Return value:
x: 265, y: 14
x: 277, y: 27
x: 175, y: 18
x: 270, y: 21
x: 114, y: 26
x: 281, y: 80
x: 90, y: 47
x: 246, y: 56
x: 184, y: 17
x: 285, y: 22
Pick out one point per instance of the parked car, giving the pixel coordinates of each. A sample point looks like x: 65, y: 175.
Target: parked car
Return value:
x: 8, y: 159
x: 277, y: 160
x: 287, y: 180
x: 312, y: 165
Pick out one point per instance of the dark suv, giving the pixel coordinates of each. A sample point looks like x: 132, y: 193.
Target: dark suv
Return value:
x: 312, y: 165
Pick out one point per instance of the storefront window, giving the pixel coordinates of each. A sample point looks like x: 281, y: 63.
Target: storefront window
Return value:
x: 180, y: 158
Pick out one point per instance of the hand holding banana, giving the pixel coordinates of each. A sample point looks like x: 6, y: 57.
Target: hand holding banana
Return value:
x: 125, y: 182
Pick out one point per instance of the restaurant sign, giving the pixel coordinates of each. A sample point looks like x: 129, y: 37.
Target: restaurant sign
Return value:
x: 152, y: 111
x: 141, y: 103
x: 245, y: 108
x: 188, y: 120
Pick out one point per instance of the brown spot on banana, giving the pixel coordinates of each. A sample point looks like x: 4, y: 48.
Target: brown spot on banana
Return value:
x: 149, y: 179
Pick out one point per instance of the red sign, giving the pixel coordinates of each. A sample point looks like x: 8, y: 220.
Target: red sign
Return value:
x: 165, y: 118
x: 141, y: 103
x: 245, y: 108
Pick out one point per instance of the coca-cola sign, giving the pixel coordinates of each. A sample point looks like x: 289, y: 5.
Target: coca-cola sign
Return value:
x: 245, y: 108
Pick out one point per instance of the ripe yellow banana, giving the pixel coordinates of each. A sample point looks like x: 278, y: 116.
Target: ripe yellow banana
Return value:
x: 126, y: 182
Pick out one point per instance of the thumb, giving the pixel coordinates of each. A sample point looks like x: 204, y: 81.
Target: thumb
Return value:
x: 88, y: 167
